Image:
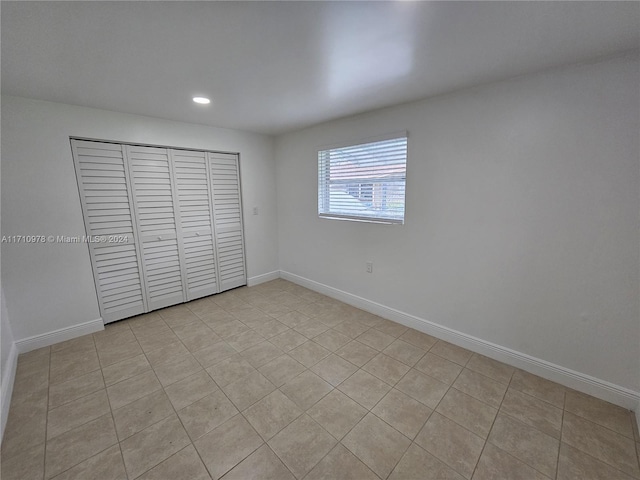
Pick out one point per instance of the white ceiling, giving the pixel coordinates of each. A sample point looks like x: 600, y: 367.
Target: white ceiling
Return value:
x: 272, y: 67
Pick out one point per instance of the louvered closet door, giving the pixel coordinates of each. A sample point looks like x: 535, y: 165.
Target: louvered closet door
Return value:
x: 158, y: 225
x: 192, y: 186
x: 106, y: 203
x: 227, y: 213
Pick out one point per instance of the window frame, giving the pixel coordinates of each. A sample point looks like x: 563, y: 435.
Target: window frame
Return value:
x: 323, y: 194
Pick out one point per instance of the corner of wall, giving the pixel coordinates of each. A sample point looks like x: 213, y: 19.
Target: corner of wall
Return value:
x: 8, y: 377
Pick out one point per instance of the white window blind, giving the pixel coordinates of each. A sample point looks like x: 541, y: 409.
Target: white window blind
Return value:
x: 364, y: 182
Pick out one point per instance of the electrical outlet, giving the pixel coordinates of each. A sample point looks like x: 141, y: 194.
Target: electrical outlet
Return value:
x: 369, y: 267
x: 255, y: 210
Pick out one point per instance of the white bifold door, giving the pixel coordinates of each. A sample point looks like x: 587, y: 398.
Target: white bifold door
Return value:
x: 168, y: 224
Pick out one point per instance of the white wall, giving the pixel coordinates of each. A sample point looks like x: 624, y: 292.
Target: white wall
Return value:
x: 50, y: 286
x: 521, y: 216
x: 8, y: 363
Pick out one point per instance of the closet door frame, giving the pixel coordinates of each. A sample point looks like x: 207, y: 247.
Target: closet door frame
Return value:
x: 136, y: 238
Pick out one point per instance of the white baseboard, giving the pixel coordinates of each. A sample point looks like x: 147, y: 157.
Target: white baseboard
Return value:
x: 8, y: 377
x: 57, y: 336
x: 610, y: 392
x: 265, y: 277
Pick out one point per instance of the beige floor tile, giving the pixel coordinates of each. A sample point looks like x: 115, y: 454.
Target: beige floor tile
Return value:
x: 538, y: 387
x: 423, y: 388
x: 418, y: 339
x: 74, y: 345
x: 311, y: 328
x: 495, y: 463
x: 376, y: 444
x: 536, y: 413
x: 261, y: 354
x: 341, y: 464
x: 229, y: 328
x: 271, y: 328
x: 301, y: 445
x: 28, y: 464
x: 272, y: 414
x: 75, y: 446
x: 386, y: 368
x: 337, y: 413
x: 526, y: 443
x: 600, y: 442
x: 115, y: 337
x: 34, y: 354
x: 418, y: 464
x: 209, y: 356
x: 138, y: 415
x: 313, y: 310
x: 190, y: 389
x: 75, y: 388
x: 154, y: 444
x: 481, y: 387
x: 351, y: 329
x: 248, y: 390
x: 357, y: 353
x: 106, y: 465
x: 244, y: 340
x: 376, y: 339
x: 288, y: 340
x: 29, y: 382
x: 230, y: 369
x: 292, y: 319
x: 23, y: 432
x: 309, y: 353
x: 498, y: 371
x: 282, y: 369
x: 468, y: 412
x: 132, y: 389
x: 125, y: 369
x: 332, y: 339
x: 76, y: 413
x: 67, y: 366
x: 364, y: 388
x: 402, y: 412
x: 452, y: 352
x: 576, y: 465
x: 329, y: 317
x: 390, y: 328
x: 439, y: 368
x: 334, y: 369
x: 226, y: 446
x: 262, y: 464
x: 598, y: 411
x: 167, y: 353
x: 452, y: 444
x: 404, y: 352
x: 206, y: 414
x: 184, y: 464
x: 150, y: 342
x: 371, y: 320
x: 306, y: 389
x: 203, y: 306
x: 117, y: 352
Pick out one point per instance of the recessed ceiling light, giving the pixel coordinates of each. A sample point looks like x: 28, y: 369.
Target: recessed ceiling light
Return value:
x: 202, y: 100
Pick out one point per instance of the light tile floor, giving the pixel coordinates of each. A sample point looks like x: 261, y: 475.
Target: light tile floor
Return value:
x: 279, y: 382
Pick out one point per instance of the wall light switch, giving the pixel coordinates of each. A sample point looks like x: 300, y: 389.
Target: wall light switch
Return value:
x: 369, y: 267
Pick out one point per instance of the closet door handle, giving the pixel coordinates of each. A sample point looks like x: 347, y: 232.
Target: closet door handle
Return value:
x: 159, y: 237
x: 197, y: 234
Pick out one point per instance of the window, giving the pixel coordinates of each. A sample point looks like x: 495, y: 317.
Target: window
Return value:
x: 364, y: 182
